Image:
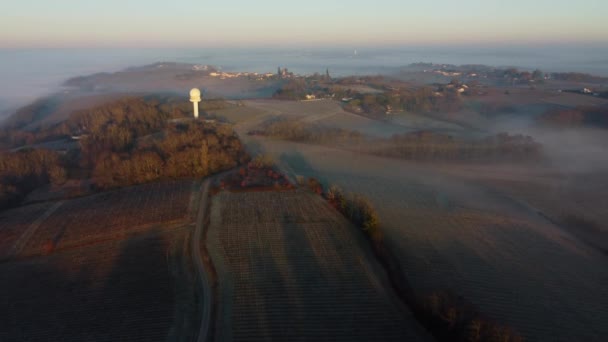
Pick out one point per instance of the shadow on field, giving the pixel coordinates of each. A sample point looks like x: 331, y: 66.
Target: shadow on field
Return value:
x: 103, y: 293
x: 303, y: 276
x: 254, y: 148
x: 297, y: 164
x: 296, y: 161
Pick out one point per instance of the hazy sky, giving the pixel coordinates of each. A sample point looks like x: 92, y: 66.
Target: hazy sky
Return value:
x: 199, y: 23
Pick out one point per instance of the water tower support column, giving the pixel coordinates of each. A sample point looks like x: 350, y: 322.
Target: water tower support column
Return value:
x: 195, y: 98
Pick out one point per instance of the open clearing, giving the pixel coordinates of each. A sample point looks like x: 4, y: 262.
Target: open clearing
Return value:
x: 291, y: 268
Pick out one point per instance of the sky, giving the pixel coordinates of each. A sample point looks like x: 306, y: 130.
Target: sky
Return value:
x: 237, y: 23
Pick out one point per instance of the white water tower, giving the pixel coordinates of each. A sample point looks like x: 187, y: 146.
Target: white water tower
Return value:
x: 195, y: 98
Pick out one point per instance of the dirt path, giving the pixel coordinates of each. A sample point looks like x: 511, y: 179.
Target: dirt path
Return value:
x: 203, y: 334
x: 31, y: 230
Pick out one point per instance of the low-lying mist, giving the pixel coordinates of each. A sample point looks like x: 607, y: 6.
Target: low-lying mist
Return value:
x: 582, y: 149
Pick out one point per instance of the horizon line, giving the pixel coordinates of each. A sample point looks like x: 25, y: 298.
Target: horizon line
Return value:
x: 309, y: 45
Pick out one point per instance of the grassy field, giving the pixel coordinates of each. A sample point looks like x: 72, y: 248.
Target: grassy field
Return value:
x: 291, y: 268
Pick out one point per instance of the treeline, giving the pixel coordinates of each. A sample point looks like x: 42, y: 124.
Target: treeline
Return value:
x: 140, y: 114
x: 576, y: 117
x: 124, y: 142
x: 388, y: 99
x: 294, y: 130
x: 446, y: 316
x: 294, y: 89
x: 132, y: 141
x: 24, y: 171
x: 188, y: 149
x: 359, y: 210
x: 577, y: 77
x: 424, y: 99
x: 427, y: 145
x: 514, y: 75
x: 422, y: 145
x: 450, y: 317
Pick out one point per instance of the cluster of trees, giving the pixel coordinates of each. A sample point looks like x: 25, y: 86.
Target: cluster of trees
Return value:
x: 188, y: 149
x: 259, y: 175
x: 23, y: 171
x: 294, y: 130
x: 514, y: 75
x: 422, y: 145
x: 298, y: 88
x: 140, y: 114
x: 294, y: 89
x: 452, y: 318
x: 427, y: 145
x: 262, y: 161
x: 358, y: 210
x: 129, y: 141
x: 355, y: 207
x: 423, y: 99
x: 577, y: 77
x: 579, y: 116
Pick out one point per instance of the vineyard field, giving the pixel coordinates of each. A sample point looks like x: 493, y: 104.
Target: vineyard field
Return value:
x: 291, y: 268
x: 450, y: 232
x: 14, y: 223
x: 112, y: 214
x: 136, y: 289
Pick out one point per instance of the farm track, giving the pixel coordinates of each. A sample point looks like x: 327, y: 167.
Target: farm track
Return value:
x: 203, y: 278
x: 13, y: 224
x: 27, y: 234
